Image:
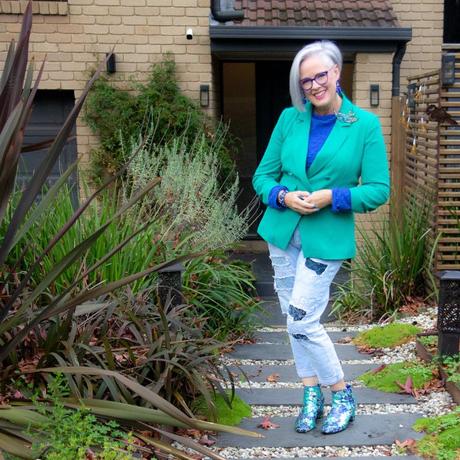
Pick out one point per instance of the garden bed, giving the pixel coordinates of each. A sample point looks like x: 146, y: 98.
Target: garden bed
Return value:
x: 425, y: 352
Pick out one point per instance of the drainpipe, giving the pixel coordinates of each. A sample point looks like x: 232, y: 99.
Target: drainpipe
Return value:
x: 225, y: 15
x: 396, y: 73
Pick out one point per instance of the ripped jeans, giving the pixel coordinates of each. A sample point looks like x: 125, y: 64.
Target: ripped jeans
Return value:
x: 303, y: 286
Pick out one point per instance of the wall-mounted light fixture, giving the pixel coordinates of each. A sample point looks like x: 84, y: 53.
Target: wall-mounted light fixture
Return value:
x: 111, y: 66
x: 204, y: 95
x: 374, y: 95
x: 448, y: 69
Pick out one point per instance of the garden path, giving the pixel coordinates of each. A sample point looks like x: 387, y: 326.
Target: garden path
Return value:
x: 373, y: 433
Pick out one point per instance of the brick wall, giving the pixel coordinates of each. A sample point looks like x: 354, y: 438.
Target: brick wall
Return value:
x: 370, y: 69
x: 75, y: 37
x: 424, y: 50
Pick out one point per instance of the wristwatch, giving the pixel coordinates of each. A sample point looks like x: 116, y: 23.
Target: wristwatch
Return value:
x: 281, y: 196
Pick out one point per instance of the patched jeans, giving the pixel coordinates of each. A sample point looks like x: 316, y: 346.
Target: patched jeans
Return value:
x: 302, y: 285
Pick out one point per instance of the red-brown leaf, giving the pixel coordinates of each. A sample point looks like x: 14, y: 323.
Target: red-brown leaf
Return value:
x: 273, y: 377
x: 205, y: 441
x: 378, y: 369
x: 346, y: 339
x: 267, y: 424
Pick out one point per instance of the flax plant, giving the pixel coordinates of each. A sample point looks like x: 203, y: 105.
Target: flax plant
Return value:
x: 25, y: 318
x: 393, y: 265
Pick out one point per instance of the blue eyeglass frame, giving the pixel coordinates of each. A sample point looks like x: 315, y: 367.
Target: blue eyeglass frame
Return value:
x: 315, y: 78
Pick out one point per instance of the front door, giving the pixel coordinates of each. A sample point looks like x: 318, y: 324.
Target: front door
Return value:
x: 254, y: 95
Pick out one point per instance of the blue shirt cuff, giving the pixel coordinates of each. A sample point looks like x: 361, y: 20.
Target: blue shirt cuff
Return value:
x: 273, y: 195
x: 341, y: 200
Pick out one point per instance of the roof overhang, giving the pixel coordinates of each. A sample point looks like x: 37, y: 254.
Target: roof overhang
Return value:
x: 262, y: 42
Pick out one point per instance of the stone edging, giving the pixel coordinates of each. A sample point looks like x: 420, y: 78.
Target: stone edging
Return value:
x: 58, y: 8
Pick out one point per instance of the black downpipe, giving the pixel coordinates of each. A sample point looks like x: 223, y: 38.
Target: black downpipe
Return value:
x: 226, y: 15
x: 396, y: 73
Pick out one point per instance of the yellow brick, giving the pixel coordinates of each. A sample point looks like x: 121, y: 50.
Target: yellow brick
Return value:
x: 160, y: 40
x: 122, y: 11
x: 108, y: 20
x: 58, y: 38
x: 135, y: 39
x: 78, y: 19
x: 84, y: 38
x: 158, y: 2
x: 63, y: 8
x: 147, y: 49
x: 134, y: 20
x: 172, y: 11
x: 184, y: 21
x: 121, y: 30
x: 96, y: 29
x: 107, y: 2
x: 159, y: 20
x: 95, y: 10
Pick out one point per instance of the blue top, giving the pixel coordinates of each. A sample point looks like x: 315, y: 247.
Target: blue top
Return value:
x: 320, y: 128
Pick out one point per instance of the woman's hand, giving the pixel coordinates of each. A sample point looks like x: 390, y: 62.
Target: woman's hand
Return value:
x: 308, y: 203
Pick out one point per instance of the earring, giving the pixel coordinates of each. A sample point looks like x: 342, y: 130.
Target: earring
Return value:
x: 338, y: 88
x: 304, y: 100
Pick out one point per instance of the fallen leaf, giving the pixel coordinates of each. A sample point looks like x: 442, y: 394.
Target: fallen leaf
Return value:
x: 407, y: 387
x: 378, y: 369
x: 205, y: 441
x: 346, y: 339
x: 406, y: 444
x: 273, y: 377
x: 267, y: 424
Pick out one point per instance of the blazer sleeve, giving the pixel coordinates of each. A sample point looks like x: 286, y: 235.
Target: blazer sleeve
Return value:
x: 268, y: 173
x: 374, y: 189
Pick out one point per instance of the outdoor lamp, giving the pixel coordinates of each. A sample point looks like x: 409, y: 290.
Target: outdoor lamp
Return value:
x: 448, y: 69
x: 111, y: 65
x: 204, y: 95
x: 411, y: 87
x: 374, y: 95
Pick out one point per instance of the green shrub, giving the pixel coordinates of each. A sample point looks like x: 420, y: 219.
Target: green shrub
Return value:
x: 117, y: 116
x: 393, y: 265
x: 391, y: 335
x: 224, y: 414
x: 69, y: 434
x: 442, y: 439
x: 386, y: 378
x: 222, y: 291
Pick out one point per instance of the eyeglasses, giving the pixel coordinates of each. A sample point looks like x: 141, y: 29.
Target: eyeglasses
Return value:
x: 320, y: 78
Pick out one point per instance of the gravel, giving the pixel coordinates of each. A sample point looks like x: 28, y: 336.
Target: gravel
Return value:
x: 434, y: 404
x: 273, y: 452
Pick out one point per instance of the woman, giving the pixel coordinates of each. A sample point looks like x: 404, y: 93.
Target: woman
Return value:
x: 326, y: 159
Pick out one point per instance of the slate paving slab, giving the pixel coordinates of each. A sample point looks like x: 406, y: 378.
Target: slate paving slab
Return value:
x: 282, y: 337
x: 366, y: 430
x: 258, y: 351
x: 391, y: 457
x: 293, y: 396
x: 288, y: 373
x: 270, y: 315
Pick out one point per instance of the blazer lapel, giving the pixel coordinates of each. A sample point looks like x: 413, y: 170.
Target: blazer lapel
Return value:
x: 302, y: 131
x: 336, y: 138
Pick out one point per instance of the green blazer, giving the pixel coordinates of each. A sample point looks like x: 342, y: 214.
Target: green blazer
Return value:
x: 353, y: 156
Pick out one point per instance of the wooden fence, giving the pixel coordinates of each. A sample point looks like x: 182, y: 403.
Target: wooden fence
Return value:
x: 432, y: 159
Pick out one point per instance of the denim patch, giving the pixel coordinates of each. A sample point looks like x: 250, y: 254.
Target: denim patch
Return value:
x: 284, y: 283
x: 300, y: 336
x: 317, y: 267
x: 296, y: 313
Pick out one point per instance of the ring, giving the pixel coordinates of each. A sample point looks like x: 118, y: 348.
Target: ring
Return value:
x: 315, y: 206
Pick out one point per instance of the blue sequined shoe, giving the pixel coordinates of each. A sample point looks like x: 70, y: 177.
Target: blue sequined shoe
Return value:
x: 312, y: 410
x: 342, y: 412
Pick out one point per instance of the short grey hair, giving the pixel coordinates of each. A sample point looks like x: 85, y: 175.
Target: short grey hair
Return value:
x: 324, y: 48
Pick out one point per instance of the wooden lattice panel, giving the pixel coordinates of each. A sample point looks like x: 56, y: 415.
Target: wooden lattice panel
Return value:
x: 432, y: 163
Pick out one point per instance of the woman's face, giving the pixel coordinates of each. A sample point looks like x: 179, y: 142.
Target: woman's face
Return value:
x: 320, y: 88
